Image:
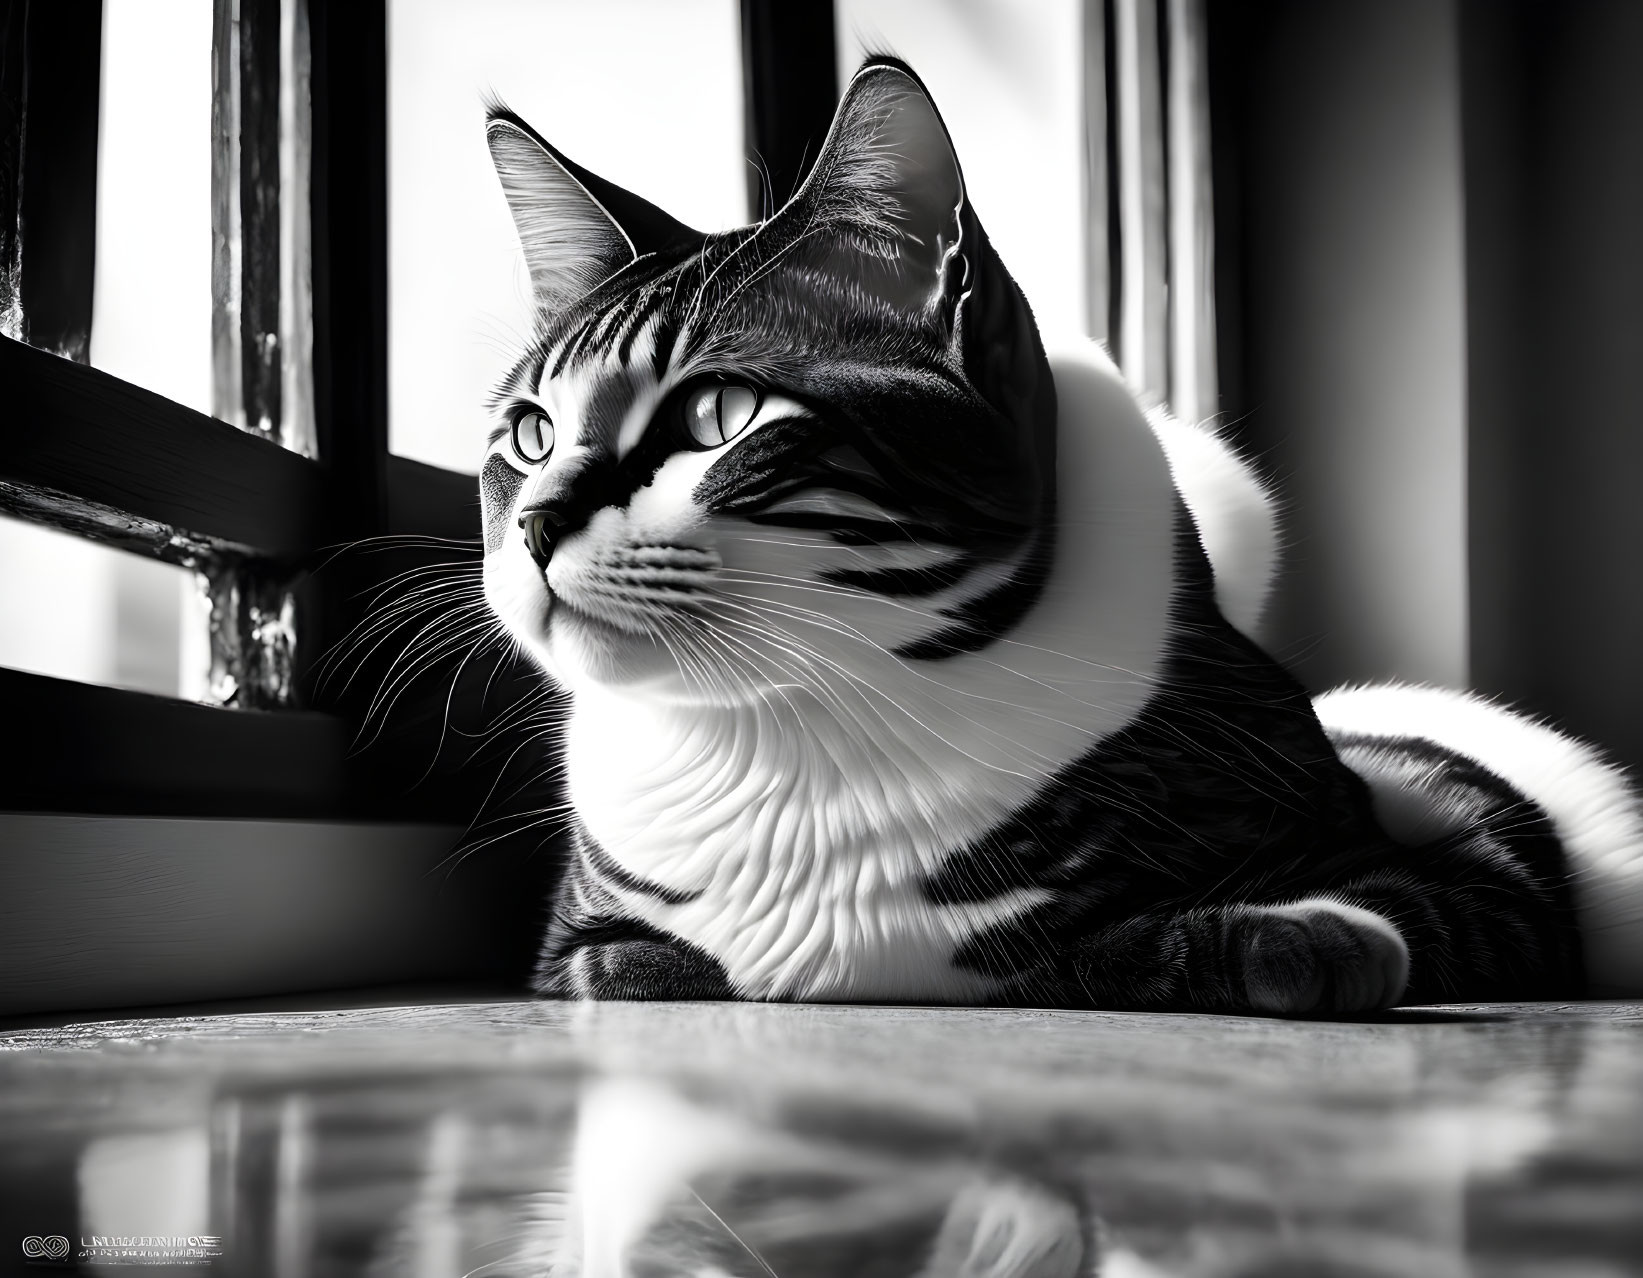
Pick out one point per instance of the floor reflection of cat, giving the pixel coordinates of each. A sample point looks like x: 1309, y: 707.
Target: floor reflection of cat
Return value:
x: 751, y: 1141
x: 666, y: 1183
x: 750, y: 1174
x: 670, y: 1181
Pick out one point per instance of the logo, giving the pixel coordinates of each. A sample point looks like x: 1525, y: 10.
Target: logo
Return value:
x: 53, y: 1247
x: 124, y: 1249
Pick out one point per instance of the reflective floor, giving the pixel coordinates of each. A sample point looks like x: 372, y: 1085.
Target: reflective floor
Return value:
x: 748, y: 1141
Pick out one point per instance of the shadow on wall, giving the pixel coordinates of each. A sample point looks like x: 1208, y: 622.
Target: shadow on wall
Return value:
x: 1430, y: 285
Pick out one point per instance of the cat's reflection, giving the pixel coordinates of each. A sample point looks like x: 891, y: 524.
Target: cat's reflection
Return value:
x: 663, y: 1184
x: 750, y: 1173
x: 1353, y: 1150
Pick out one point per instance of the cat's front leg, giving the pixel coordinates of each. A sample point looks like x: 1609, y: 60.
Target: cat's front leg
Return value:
x: 1312, y: 956
x: 617, y: 958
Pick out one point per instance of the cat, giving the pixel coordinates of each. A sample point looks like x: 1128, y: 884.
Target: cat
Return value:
x: 909, y: 662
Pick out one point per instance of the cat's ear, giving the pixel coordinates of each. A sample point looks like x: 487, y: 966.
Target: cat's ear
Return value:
x: 886, y: 191
x: 885, y: 212
x: 577, y: 229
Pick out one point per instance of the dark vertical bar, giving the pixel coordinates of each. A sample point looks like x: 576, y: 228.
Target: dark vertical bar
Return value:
x: 1502, y: 549
x: 13, y: 16
x: 350, y: 256
x: 349, y: 206
x: 259, y: 68
x: 1116, y: 283
x: 1553, y: 140
x: 51, y: 92
x: 1229, y: 30
x: 790, y: 84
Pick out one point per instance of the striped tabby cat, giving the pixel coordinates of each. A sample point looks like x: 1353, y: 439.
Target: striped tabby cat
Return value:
x: 910, y: 663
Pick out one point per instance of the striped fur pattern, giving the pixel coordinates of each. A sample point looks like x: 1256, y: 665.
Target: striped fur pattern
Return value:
x: 910, y: 662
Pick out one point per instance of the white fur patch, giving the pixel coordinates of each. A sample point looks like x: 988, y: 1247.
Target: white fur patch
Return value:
x: 1591, y: 804
x: 1234, y: 513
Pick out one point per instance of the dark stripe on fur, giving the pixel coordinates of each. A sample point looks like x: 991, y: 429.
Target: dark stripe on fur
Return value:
x: 600, y: 863
x: 593, y: 950
x: 909, y: 582
x: 847, y: 530
x: 980, y: 623
x: 1226, y: 791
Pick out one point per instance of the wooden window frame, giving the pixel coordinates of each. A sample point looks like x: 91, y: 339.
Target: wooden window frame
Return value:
x: 96, y: 456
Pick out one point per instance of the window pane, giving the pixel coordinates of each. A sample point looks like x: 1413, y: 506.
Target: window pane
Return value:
x: 646, y: 93
x: 1005, y: 74
x: 77, y: 610
x: 201, y: 293
x: 151, y: 318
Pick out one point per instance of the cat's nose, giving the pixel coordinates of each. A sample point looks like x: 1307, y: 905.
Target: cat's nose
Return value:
x: 543, y: 529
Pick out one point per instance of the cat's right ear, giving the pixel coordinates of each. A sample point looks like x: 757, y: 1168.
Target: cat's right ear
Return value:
x: 577, y: 229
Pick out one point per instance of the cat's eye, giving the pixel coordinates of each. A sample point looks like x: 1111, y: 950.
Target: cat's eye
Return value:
x: 532, y: 435
x: 715, y: 415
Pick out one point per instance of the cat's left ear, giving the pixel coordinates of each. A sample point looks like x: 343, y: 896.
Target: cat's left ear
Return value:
x: 886, y: 214
x: 577, y: 229
x: 885, y: 198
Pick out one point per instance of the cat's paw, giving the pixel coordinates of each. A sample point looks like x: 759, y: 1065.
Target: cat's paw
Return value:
x: 1322, y: 956
x: 645, y: 965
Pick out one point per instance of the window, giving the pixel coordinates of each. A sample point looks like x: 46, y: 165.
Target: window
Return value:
x: 78, y: 610
x: 458, y: 293
x: 153, y: 843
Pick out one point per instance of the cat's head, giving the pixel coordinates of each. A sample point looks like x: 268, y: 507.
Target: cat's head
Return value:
x: 737, y: 462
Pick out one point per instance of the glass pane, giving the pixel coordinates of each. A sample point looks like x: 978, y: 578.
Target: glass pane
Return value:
x: 646, y: 93
x: 151, y: 319
x: 77, y: 610
x: 1006, y: 77
x: 201, y: 294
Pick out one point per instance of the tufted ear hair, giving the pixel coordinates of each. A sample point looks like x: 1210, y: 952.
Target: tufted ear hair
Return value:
x: 885, y: 197
x: 577, y: 229
x: 885, y: 210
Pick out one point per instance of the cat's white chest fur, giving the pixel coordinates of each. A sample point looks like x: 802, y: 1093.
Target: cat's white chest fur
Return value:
x: 805, y: 827
x: 806, y: 879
